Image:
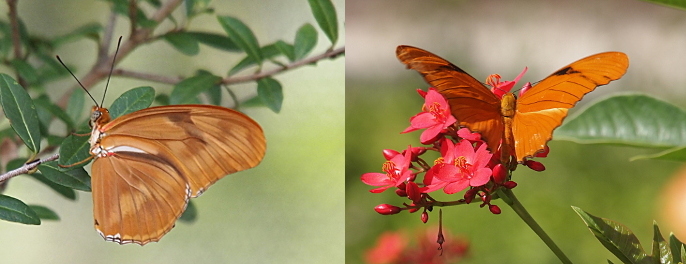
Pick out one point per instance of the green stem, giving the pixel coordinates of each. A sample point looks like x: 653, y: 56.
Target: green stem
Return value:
x: 508, y: 196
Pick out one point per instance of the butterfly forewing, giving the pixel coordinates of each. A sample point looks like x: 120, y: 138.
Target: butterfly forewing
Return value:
x: 474, y: 105
x: 542, y: 108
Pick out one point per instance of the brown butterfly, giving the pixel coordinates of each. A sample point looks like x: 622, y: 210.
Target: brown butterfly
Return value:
x: 525, y: 124
x: 149, y: 163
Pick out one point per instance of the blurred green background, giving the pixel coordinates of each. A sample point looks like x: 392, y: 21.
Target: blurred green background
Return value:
x: 486, y: 37
x: 287, y: 210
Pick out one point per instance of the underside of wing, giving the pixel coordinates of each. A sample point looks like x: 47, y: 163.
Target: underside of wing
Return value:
x: 210, y: 141
x: 474, y: 105
x: 542, y: 108
x: 137, y: 197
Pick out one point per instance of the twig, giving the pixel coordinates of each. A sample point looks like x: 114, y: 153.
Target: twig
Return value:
x: 26, y: 168
x: 102, y: 67
x: 231, y: 80
x: 16, y: 37
x: 107, y: 37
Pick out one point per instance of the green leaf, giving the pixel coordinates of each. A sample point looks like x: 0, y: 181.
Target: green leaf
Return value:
x: 122, y: 7
x: 67, y: 192
x: 20, y: 110
x: 132, y: 100
x: 285, y: 49
x: 325, y: 14
x: 76, y: 178
x: 269, y: 90
x: 44, y: 213
x: 616, y: 237
x: 305, y: 41
x: 75, y: 106
x: 670, y: 3
x: 25, y: 70
x: 91, y: 30
x: 185, y: 91
x: 74, y: 149
x: 183, y: 42
x: 242, y: 36
x: 268, y: 52
x: 191, y: 213
x: 44, y: 102
x: 215, y: 95
x: 162, y: 99
x: 15, y: 210
x: 195, y: 7
x: 661, y: 249
x: 632, y: 119
x: 215, y: 41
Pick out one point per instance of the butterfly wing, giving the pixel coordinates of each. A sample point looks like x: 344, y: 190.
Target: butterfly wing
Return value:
x: 211, y: 141
x: 159, y: 157
x: 474, y: 105
x: 542, y: 108
x: 137, y: 196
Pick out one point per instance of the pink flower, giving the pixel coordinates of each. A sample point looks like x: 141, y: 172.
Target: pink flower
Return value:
x: 435, y: 118
x: 389, y: 247
x: 500, y: 88
x: 397, y: 170
x: 459, y: 167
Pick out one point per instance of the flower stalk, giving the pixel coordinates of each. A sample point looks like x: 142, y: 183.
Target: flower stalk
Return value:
x: 509, y: 197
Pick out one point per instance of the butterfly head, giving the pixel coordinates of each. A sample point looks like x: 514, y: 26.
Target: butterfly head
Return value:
x: 99, y: 116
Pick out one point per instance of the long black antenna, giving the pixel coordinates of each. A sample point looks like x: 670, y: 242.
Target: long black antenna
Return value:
x: 77, y: 80
x: 111, y: 69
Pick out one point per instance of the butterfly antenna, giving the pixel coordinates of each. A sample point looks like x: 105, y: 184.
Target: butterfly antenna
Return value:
x: 111, y: 69
x: 77, y: 79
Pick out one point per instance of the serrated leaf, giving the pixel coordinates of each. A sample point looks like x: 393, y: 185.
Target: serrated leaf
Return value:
x: 14, y: 210
x: 242, y: 36
x: 132, y: 100
x: 183, y: 42
x: 191, y: 213
x: 74, y: 149
x: 633, y: 119
x: 44, y: 213
x: 215, y: 41
x: 187, y: 90
x: 76, y: 178
x: 675, y: 246
x: 670, y: 3
x: 325, y: 14
x: 271, y: 93
x: 75, y: 106
x: 661, y: 249
x: 21, y: 112
x: 305, y: 41
x: 616, y: 237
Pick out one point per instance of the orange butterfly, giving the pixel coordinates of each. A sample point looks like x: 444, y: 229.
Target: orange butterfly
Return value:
x: 526, y: 124
x: 149, y: 163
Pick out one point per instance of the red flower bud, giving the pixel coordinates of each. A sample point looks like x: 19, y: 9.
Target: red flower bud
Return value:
x: 387, y: 209
x: 425, y: 217
x: 413, y: 192
x: 421, y: 92
x: 470, y: 194
x: 388, y: 154
x: 544, y: 153
x: 510, y: 184
x: 534, y: 165
x: 494, y: 209
x: 400, y: 192
x: 499, y: 173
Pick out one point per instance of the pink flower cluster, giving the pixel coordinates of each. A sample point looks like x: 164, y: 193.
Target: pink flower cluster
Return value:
x: 464, y: 163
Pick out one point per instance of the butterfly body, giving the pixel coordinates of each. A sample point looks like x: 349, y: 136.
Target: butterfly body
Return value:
x: 147, y: 164
x: 523, y: 125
